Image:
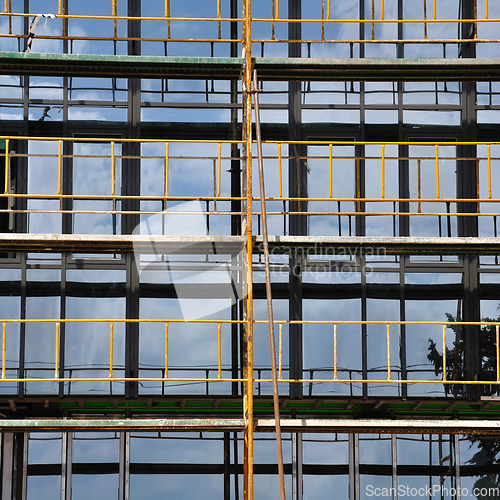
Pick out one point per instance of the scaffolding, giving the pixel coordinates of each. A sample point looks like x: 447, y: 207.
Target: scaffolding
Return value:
x: 345, y: 210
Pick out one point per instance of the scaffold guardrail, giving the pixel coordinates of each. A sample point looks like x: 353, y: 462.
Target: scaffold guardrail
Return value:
x: 320, y: 24
x: 215, y: 327
x: 377, y: 164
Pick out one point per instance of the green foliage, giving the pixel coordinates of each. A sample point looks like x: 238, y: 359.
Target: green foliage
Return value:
x: 488, y: 453
x: 455, y: 362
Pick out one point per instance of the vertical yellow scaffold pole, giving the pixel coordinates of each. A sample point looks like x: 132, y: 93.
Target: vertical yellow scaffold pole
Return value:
x: 4, y: 339
x: 489, y: 170
x: 331, y: 169
x: 219, y: 19
x: 8, y: 7
x: 167, y: 15
x: 497, y: 340
x: 115, y: 12
x: 280, y: 356
x: 7, y: 169
x: 113, y: 174
x: 58, y: 326
x: 373, y: 19
x: 444, y: 353
x: 59, y: 174
x: 335, y: 351
x: 64, y: 23
x: 322, y: 20
x: 437, y: 172
x: 219, y: 356
x: 388, y: 351
x: 383, y: 170
x: 166, y: 350
x: 247, y: 260
x: 280, y: 171
x: 425, y: 19
x: 111, y: 344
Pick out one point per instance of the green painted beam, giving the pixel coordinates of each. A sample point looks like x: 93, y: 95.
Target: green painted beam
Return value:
x: 371, y: 69
x: 231, y: 68
x: 16, y: 63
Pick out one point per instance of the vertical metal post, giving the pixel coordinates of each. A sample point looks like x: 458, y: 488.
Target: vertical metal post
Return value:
x: 297, y: 189
x: 248, y: 270
x: 132, y: 328
x: 270, y: 316
x: 64, y: 464
x: 22, y: 327
x: 24, y: 472
x: 354, y: 467
x: 361, y: 220
x: 227, y: 464
x: 402, y: 330
x: 69, y: 468
x: 456, y: 438
x: 62, y: 327
x: 394, y: 444
x: 404, y: 184
x: 21, y: 219
x: 360, y: 149
x: 466, y: 188
x: 131, y: 185
x: 127, y: 466
x: 403, y: 164
x: 235, y: 204
x: 121, y: 468
x: 124, y: 466
x: 7, y: 465
x: 364, y: 326
x: 404, y: 220
x: 471, y: 312
x: 297, y: 483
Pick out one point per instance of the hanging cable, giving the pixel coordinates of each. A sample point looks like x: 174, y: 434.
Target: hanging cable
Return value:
x: 268, y: 290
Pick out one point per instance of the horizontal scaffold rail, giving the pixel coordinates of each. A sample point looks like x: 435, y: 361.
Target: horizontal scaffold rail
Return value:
x: 432, y: 177
x: 403, y: 426
x: 327, y: 27
x: 270, y: 69
x: 308, y: 245
x: 443, y: 373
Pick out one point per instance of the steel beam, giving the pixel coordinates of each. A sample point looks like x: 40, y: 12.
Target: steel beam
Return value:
x: 306, y: 245
x: 384, y: 426
x: 353, y: 245
x: 120, y: 243
x: 403, y: 426
x: 230, y: 68
x: 121, y: 425
x: 109, y: 66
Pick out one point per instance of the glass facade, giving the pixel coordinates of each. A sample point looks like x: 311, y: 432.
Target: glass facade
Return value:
x: 132, y: 262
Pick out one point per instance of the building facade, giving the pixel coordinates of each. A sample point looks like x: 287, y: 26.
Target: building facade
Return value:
x: 140, y: 253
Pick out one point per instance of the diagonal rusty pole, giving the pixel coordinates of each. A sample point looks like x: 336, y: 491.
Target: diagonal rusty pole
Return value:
x: 268, y: 291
